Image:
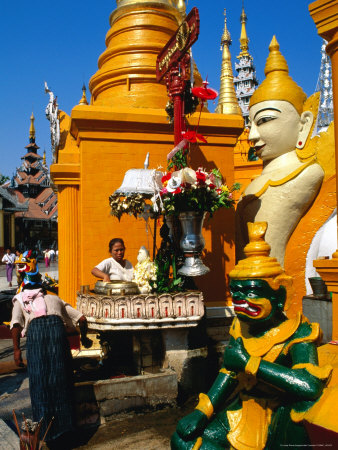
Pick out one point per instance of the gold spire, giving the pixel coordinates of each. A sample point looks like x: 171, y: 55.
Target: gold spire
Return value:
x: 244, y: 40
x: 32, y: 129
x: 44, y: 157
x: 227, y: 102
x: 83, y: 100
x: 278, y: 85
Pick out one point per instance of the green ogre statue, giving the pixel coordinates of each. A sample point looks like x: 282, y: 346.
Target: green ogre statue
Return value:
x: 270, y: 376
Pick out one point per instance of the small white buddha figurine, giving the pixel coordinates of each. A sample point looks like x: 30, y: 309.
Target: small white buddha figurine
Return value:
x: 291, y: 176
x: 144, y: 271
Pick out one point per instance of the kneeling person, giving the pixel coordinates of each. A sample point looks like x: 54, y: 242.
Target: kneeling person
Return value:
x: 46, y: 319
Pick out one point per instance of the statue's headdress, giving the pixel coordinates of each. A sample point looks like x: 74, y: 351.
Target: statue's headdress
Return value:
x: 278, y: 85
x: 258, y: 264
x: 27, y: 265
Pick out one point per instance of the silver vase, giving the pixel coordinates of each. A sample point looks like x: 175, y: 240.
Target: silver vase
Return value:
x: 192, y: 243
x: 175, y: 231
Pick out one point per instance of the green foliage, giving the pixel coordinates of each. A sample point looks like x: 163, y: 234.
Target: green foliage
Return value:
x: 179, y: 160
x: 3, y: 179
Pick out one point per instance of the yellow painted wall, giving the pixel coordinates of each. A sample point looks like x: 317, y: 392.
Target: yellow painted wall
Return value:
x: 112, y: 141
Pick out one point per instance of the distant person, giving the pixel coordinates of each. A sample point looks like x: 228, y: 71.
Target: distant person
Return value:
x: 46, y: 256
x: 115, y: 267
x: 52, y: 255
x: 8, y: 259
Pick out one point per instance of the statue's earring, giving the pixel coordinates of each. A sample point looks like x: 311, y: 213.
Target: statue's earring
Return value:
x: 306, y: 121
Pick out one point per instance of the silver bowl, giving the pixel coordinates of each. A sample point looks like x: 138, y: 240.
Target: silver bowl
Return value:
x: 116, y: 287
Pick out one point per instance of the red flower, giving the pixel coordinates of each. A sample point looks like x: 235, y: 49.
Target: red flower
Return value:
x: 193, y: 137
x: 166, y: 177
x: 201, y: 176
x: 177, y: 191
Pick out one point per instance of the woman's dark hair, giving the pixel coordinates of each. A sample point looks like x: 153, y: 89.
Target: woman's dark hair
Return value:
x: 115, y: 241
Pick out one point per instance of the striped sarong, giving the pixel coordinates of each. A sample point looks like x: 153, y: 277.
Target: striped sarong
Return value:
x: 49, y: 364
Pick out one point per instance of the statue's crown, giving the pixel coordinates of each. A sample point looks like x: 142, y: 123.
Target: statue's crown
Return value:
x: 278, y: 85
x: 258, y: 263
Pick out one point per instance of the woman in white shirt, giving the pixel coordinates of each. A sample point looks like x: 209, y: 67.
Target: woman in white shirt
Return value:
x: 115, y: 267
x: 8, y: 259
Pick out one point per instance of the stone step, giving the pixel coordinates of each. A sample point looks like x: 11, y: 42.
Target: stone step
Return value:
x: 9, y: 440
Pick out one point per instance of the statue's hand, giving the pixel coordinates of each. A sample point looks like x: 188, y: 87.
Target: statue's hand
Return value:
x: 235, y: 356
x: 192, y: 425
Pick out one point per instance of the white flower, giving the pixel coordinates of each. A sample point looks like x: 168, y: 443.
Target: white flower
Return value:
x: 173, y: 183
x: 188, y: 175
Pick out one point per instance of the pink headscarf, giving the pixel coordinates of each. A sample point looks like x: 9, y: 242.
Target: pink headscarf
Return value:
x: 33, y: 301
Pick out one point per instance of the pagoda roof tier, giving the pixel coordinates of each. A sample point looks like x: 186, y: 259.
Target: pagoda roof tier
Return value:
x: 36, y: 165
x: 13, y: 200
x: 244, y: 64
x: 32, y: 145
x: 46, y: 199
x: 244, y: 90
x: 23, y: 178
x: 31, y: 155
x: 245, y: 76
x: 36, y: 212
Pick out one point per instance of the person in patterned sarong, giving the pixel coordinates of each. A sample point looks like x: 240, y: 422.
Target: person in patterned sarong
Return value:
x: 46, y: 320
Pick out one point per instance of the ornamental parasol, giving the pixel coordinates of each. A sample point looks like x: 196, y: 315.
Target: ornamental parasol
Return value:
x: 204, y: 93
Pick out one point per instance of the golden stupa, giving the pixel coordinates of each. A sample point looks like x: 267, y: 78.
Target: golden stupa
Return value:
x: 124, y: 120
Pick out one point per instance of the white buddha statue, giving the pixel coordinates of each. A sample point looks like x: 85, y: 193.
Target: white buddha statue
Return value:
x: 144, y: 271
x: 291, y: 176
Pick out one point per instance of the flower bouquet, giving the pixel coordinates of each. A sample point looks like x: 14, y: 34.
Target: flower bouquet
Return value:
x: 199, y: 191
x: 187, y: 194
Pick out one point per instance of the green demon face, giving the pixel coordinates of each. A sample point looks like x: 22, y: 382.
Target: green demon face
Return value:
x: 255, y: 301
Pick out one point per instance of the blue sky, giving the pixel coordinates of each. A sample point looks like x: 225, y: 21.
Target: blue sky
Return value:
x: 60, y: 42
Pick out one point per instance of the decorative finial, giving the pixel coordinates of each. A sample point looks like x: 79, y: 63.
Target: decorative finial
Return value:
x: 278, y: 85
x: 44, y: 157
x: 146, y: 162
x: 83, y: 100
x: 244, y: 41
x: 181, y: 6
x: 226, y: 38
x: 32, y: 129
x: 227, y: 101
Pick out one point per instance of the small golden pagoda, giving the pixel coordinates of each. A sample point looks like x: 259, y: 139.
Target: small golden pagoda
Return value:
x: 124, y: 121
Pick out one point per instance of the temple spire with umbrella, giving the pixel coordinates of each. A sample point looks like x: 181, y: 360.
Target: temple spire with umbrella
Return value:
x: 227, y: 102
